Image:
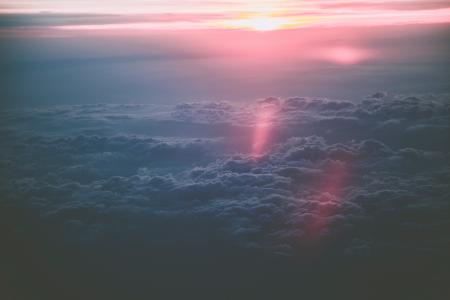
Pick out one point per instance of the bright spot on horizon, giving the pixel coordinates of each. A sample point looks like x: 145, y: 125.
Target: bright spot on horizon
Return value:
x: 264, y: 22
x: 259, y: 23
x: 345, y: 55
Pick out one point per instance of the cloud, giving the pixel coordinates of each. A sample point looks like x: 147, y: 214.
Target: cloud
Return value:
x: 213, y: 15
x: 383, y: 5
x: 46, y: 19
x: 348, y: 180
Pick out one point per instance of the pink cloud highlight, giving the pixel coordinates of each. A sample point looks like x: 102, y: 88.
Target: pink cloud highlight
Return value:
x: 345, y: 55
x: 263, y: 128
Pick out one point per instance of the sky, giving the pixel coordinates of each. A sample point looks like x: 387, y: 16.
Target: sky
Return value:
x: 238, y: 14
x: 170, y: 51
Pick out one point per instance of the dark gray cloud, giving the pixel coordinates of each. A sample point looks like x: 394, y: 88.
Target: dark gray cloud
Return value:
x: 48, y: 19
x: 359, y: 181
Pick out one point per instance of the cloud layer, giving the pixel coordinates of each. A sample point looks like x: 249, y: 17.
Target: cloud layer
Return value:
x: 331, y: 180
x: 213, y: 14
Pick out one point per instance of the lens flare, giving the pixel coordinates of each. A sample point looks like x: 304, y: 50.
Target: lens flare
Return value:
x: 331, y: 187
x: 263, y: 130
x: 346, y: 55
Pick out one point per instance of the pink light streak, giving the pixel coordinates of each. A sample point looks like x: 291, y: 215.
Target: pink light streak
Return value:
x: 330, y: 188
x: 263, y: 130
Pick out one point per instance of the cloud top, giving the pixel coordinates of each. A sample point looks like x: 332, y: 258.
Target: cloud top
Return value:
x: 337, y: 181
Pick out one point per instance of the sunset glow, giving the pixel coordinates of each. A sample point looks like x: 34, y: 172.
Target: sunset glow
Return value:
x: 261, y: 24
x: 245, y: 15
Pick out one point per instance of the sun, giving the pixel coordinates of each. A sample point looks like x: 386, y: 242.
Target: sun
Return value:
x: 265, y: 23
x: 258, y: 23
